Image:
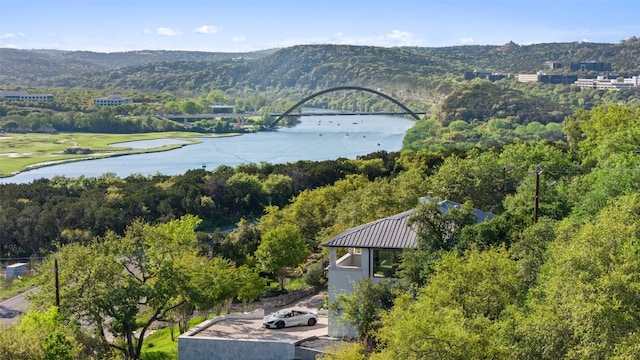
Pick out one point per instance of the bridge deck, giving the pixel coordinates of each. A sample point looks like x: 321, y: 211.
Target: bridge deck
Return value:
x: 351, y: 113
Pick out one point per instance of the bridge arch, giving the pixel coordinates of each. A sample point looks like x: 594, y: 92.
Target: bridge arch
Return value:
x: 338, y: 88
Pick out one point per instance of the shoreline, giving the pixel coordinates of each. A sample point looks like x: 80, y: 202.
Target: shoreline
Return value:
x: 103, y: 154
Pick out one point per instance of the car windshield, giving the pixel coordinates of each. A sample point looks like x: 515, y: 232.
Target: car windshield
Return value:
x: 282, y: 315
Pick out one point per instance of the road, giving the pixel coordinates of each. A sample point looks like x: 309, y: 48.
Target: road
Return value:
x: 11, y: 308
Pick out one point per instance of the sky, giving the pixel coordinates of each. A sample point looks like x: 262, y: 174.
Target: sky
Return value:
x: 249, y: 25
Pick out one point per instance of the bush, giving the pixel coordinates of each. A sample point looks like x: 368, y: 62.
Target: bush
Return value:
x: 314, y: 275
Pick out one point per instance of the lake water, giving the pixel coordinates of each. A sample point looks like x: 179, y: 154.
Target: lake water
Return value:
x: 315, y: 138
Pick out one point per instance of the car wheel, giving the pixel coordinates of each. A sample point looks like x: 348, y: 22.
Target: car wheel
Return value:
x: 311, y: 322
x: 280, y: 324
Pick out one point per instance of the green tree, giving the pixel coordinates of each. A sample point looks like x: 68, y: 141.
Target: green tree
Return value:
x: 247, y: 193
x: 281, y: 248
x: 530, y: 250
x: 438, y: 228
x: 122, y: 284
x: 214, y: 283
x: 456, y: 315
x: 477, y: 178
x: 587, y: 305
x: 363, y: 308
x: 190, y: 107
x: 42, y: 335
x: 278, y: 190
x: 251, y: 284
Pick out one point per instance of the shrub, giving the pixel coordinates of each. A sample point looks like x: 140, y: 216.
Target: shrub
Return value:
x: 314, y: 275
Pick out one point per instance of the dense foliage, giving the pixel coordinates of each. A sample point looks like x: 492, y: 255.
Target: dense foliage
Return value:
x: 413, y: 75
x: 562, y: 284
x: 36, y: 216
x: 565, y: 286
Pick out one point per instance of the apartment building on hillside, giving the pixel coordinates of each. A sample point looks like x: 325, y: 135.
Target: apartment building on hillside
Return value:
x: 112, y: 100
x: 23, y: 96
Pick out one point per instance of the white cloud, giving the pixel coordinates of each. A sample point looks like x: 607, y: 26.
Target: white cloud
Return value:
x: 207, y: 29
x: 7, y: 36
x: 238, y: 39
x: 467, y: 40
x: 165, y: 31
x: 399, y: 35
x: 394, y: 38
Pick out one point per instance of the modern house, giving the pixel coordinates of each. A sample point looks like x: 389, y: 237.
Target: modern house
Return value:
x: 372, y: 252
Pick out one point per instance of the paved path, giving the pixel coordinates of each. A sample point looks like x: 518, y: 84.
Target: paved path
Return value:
x: 11, y: 308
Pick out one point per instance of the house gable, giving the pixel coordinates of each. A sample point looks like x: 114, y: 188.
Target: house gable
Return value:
x: 388, y: 233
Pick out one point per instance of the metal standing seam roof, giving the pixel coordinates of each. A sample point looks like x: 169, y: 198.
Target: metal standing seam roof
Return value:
x: 392, y: 232
x: 388, y: 233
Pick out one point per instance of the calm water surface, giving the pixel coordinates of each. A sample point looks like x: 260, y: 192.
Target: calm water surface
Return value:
x: 315, y: 138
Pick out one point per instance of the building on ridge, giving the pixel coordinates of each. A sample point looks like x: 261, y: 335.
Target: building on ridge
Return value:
x: 112, y: 100
x: 590, y: 66
x: 604, y: 83
x: 24, y: 96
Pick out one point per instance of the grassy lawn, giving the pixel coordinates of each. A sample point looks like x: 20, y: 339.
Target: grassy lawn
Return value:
x: 159, y: 346
x: 19, y: 152
x: 14, y: 287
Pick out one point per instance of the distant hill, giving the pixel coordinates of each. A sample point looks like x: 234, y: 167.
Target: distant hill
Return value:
x: 42, y: 67
x: 305, y: 66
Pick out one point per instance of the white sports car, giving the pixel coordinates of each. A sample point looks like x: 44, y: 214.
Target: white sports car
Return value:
x: 290, y: 318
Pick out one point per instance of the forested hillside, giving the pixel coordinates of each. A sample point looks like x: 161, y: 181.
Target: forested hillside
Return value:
x: 555, y: 281
x: 32, y: 65
x: 514, y: 58
x: 305, y: 67
x: 553, y: 276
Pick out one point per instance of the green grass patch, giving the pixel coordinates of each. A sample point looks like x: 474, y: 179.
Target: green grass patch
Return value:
x: 159, y: 346
x: 296, y: 284
x: 11, y: 288
x: 291, y: 284
x: 20, y: 152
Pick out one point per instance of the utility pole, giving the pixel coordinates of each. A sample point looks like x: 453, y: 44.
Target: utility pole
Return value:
x: 55, y: 271
x: 537, y: 199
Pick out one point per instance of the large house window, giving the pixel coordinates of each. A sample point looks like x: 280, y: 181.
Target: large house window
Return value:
x: 385, y: 262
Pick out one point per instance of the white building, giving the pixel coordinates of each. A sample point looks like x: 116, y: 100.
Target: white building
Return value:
x: 24, y: 96
x: 15, y: 270
x: 608, y: 84
x: 112, y: 100
x: 527, y: 77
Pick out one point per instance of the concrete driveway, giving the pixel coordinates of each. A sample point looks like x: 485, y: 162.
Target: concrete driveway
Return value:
x: 253, y: 328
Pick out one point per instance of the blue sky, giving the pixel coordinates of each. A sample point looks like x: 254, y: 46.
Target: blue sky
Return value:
x: 247, y: 25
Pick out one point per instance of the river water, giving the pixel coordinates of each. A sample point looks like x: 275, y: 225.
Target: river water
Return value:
x: 314, y: 138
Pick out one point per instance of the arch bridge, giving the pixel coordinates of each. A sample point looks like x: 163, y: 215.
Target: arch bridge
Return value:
x: 339, y: 88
